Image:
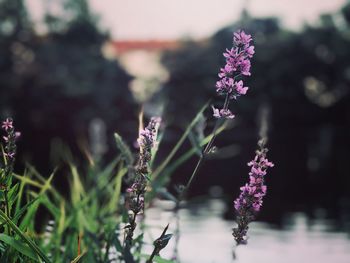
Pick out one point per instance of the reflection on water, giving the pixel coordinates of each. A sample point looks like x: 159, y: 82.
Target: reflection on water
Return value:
x: 206, y: 237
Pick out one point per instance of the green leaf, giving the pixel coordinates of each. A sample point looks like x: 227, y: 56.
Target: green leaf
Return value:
x: 163, y: 178
x: 54, y: 210
x: 117, y: 244
x: 170, y: 156
x: 28, y: 218
x: 19, y: 246
x: 159, y: 259
x: 78, y: 258
x: 195, y: 143
x: 77, y: 186
x: 20, y: 194
x: 113, y: 204
x: 12, y: 193
x: 26, y: 239
x: 23, y: 209
x: 155, y: 148
x: 124, y: 149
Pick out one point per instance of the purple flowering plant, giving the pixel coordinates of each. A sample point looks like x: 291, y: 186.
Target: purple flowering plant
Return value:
x: 9, y: 150
x: 103, y: 223
x: 9, y: 153
x: 147, y: 141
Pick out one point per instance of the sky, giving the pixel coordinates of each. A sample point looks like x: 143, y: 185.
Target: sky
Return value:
x: 174, y: 19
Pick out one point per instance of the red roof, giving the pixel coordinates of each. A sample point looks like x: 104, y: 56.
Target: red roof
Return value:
x: 150, y: 45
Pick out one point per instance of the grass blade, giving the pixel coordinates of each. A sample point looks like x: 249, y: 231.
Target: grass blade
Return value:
x: 162, y: 179
x: 24, y: 237
x: 124, y: 149
x: 78, y: 258
x: 19, y: 246
x: 164, y: 164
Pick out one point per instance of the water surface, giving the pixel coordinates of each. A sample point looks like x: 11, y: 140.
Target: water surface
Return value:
x: 206, y: 237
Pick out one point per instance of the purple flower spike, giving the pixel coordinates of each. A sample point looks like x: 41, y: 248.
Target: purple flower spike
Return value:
x: 9, y: 149
x: 237, y: 65
x: 135, y: 193
x: 251, y: 198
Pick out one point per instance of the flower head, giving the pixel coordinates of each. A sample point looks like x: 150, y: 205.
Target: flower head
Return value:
x: 223, y: 113
x: 237, y: 65
x: 7, y: 124
x: 250, y: 200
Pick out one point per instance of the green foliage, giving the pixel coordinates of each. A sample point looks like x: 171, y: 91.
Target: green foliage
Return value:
x: 88, y: 225
x: 124, y: 149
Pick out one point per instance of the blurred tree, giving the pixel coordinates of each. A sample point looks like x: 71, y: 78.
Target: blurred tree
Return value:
x: 56, y: 84
x: 15, y: 28
x: 303, y: 77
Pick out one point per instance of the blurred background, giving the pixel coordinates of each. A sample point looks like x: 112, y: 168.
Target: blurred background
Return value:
x: 72, y: 72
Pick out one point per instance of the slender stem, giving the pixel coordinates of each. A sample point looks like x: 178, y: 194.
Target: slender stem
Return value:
x: 7, y: 210
x: 177, y: 234
x: 178, y: 145
x: 205, y: 151
x: 132, y: 223
x: 217, y: 124
x: 227, y: 101
x: 195, y: 171
x: 182, y: 195
x: 158, y: 245
x: 79, y: 244
x: 154, y: 253
x: 107, y: 248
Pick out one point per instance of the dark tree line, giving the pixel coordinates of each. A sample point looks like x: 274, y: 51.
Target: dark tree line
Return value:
x: 304, y: 78
x: 55, y: 84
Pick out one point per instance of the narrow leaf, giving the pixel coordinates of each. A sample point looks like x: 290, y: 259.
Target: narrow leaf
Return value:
x: 78, y: 258
x: 124, y: 149
x: 25, y: 238
x: 170, y: 156
x: 19, y: 246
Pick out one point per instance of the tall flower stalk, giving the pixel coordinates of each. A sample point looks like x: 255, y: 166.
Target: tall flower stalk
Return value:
x: 147, y: 141
x: 9, y: 153
x: 231, y: 86
x: 10, y: 148
x: 249, y: 202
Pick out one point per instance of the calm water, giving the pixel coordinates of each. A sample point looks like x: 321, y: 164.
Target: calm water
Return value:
x: 206, y: 237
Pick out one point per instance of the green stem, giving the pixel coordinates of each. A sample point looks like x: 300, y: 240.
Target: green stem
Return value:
x: 201, y: 159
x: 205, y: 151
x: 167, y: 160
x: 154, y: 253
x: 129, y: 237
x: 7, y: 210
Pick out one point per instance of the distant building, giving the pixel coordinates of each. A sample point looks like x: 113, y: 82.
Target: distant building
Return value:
x: 142, y: 60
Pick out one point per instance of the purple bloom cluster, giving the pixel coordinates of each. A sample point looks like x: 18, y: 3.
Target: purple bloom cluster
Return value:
x: 9, y: 139
x: 223, y: 113
x: 237, y: 64
x: 147, y: 141
x: 251, y: 198
x: 9, y: 149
